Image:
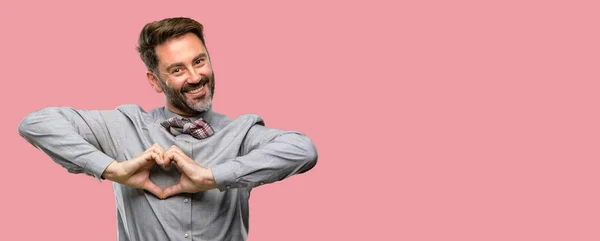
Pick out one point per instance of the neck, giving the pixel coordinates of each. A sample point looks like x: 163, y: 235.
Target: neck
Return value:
x: 186, y: 114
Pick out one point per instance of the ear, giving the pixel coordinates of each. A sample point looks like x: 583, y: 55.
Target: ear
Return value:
x: 154, y: 82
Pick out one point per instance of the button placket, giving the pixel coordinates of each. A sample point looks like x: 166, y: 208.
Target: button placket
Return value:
x: 188, y: 149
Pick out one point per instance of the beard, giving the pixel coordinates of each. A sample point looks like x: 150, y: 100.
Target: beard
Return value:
x: 178, y: 99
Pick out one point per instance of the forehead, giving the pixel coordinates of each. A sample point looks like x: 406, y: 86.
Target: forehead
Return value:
x: 181, y: 49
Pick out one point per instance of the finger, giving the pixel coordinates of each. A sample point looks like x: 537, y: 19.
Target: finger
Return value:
x: 151, y: 148
x: 156, y: 148
x: 153, y: 157
x: 160, y: 149
x: 174, y: 147
x: 172, y: 190
x: 160, y: 158
x: 148, y: 159
x: 178, y: 150
x: 168, y: 158
x: 185, y: 164
x: 138, y: 162
x: 153, y: 188
x: 178, y: 153
x: 173, y: 153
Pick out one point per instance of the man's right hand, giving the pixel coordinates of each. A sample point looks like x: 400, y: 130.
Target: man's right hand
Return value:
x: 135, y: 172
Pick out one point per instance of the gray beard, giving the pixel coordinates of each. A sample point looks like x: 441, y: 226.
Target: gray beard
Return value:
x: 201, y: 106
x: 178, y: 100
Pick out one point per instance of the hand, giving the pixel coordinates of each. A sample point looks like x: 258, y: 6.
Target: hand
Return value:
x: 194, y: 178
x: 135, y: 172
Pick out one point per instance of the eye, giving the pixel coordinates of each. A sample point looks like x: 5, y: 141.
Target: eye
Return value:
x: 198, y: 61
x: 176, y: 70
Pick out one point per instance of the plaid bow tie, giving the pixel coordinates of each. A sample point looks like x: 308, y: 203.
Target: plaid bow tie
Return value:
x: 177, y: 126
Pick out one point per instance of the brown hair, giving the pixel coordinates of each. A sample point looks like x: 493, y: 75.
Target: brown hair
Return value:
x: 158, y: 32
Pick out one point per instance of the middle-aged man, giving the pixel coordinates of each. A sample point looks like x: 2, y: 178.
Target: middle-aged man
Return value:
x: 182, y: 171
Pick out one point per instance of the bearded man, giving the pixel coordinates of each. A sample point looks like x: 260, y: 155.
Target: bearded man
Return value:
x: 182, y: 171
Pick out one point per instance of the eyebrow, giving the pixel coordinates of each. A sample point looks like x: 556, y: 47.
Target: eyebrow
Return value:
x: 179, y: 64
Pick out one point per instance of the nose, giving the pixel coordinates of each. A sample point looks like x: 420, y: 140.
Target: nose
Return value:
x: 194, y: 76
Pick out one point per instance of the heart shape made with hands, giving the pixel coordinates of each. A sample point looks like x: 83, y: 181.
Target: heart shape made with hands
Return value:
x: 136, y: 172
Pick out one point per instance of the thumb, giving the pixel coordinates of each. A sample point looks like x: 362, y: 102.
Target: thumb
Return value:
x: 172, y: 190
x: 153, y: 188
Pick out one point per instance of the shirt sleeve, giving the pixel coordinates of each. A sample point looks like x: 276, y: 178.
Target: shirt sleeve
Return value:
x: 72, y: 138
x: 270, y: 155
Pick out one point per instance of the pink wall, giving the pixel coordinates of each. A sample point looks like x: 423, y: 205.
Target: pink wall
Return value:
x: 436, y: 120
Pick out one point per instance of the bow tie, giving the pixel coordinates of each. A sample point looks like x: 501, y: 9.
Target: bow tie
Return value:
x: 198, y: 128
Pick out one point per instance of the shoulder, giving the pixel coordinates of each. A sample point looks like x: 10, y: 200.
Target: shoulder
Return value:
x: 221, y: 121
x: 217, y: 120
x: 137, y: 113
x: 130, y: 109
x: 251, y: 119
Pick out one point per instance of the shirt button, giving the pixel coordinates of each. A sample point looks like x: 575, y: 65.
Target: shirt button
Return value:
x: 185, y: 200
x: 186, y: 235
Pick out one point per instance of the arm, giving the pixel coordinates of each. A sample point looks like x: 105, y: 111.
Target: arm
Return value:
x: 76, y: 139
x: 72, y: 138
x: 269, y: 155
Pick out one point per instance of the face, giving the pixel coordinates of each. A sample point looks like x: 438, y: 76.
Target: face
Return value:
x: 184, y: 74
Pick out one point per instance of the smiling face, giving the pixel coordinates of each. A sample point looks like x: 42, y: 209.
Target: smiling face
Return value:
x: 184, y: 73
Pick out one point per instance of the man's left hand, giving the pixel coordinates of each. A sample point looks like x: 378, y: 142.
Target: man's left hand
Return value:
x: 194, y: 178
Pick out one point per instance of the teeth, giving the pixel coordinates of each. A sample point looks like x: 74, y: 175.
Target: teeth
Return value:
x: 196, y: 90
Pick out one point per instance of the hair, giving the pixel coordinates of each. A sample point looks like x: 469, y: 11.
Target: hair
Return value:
x: 158, y: 32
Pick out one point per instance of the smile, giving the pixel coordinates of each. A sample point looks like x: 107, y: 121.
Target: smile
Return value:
x: 195, y: 91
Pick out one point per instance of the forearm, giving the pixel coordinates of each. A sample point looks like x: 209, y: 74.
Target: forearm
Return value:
x: 113, y: 171
x: 57, y: 132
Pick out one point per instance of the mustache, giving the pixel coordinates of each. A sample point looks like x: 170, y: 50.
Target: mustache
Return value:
x: 187, y: 87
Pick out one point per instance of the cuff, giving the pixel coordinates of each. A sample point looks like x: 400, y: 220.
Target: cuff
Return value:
x: 225, y: 176
x: 96, y: 164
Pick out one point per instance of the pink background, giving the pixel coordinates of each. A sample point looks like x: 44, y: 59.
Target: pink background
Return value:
x: 436, y: 120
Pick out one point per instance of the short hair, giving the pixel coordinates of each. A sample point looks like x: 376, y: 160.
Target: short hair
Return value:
x: 158, y: 32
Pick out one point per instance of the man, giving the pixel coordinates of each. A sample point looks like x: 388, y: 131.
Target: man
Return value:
x: 180, y: 172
